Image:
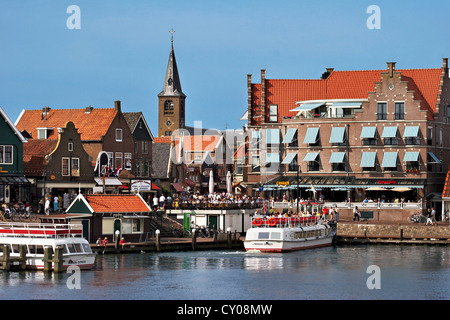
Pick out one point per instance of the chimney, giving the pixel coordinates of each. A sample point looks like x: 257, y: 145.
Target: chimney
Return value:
x: 88, y: 109
x: 391, y: 69
x: 117, y: 106
x: 45, y: 112
x: 327, y: 73
x: 445, y: 65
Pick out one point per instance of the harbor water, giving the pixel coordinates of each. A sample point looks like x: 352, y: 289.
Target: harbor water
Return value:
x: 336, y: 273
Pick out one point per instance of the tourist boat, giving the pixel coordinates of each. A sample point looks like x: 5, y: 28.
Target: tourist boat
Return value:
x: 36, y: 236
x: 280, y: 234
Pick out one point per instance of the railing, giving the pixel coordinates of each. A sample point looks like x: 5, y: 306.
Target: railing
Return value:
x: 283, y: 222
x: 40, y: 230
x: 212, y: 205
x: 351, y: 205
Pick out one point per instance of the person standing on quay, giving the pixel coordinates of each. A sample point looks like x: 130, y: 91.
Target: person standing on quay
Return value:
x: 356, y: 214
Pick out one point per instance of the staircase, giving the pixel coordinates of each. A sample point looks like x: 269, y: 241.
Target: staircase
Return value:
x: 166, y: 226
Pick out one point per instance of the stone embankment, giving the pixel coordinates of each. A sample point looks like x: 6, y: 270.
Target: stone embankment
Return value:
x: 396, y: 233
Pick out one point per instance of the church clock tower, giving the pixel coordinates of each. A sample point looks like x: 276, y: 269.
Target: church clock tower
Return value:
x: 171, y: 99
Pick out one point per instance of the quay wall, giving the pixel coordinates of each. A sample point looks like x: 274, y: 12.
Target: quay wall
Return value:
x: 378, y: 215
x: 392, y: 231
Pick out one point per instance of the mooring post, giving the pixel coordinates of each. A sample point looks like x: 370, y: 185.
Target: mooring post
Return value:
x: 401, y: 233
x: 229, y: 237
x: 6, y: 259
x: 58, y: 259
x: 23, y: 257
x: 48, y: 252
x: 157, y: 240
x: 194, y: 240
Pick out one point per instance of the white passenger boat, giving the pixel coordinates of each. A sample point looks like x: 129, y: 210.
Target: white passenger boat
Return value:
x: 272, y: 234
x: 36, y: 236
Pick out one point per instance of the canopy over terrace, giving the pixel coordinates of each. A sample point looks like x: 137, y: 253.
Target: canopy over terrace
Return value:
x: 339, y: 183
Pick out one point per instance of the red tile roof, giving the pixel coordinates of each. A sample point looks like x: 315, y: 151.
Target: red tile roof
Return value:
x: 91, y: 126
x: 34, y: 152
x: 122, y: 203
x: 345, y: 85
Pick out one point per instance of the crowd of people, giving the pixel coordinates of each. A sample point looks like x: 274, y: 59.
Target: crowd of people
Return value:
x: 199, y: 201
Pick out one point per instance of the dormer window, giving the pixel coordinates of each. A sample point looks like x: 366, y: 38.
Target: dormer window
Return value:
x: 169, y: 81
x: 43, y: 132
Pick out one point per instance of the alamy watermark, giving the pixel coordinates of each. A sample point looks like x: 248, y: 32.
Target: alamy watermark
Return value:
x: 374, y: 280
x: 74, y: 280
x: 374, y: 21
x: 74, y: 20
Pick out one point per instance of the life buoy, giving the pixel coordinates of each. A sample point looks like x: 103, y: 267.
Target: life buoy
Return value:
x: 272, y: 222
x: 258, y: 222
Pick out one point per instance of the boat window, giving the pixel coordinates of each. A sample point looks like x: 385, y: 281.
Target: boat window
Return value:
x: 74, y: 247
x: 39, y: 250
x: 87, y: 248
x: 263, y: 235
x: 64, y: 247
x: 275, y: 235
x: 32, y: 249
x: 5, y: 244
x: 15, y: 248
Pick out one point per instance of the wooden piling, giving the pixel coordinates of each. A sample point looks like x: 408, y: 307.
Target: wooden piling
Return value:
x: 157, y: 241
x: 48, y: 252
x: 194, y: 240
x: 58, y: 259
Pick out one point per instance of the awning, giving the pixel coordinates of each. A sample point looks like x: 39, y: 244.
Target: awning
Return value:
x: 411, y: 156
x: 368, y: 159
x: 436, y: 160
x: 109, y: 181
x: 272, y: 157
x: 177, y: 187
x: 389, y: 160
x: 337, y: 135
x: 11, y: 180
x: 337, y: 157
x: 311, y: 156
x: 288, y: 159
x: 311, y: 135
x: 272, y: 136
x: 389, y: 132
x: 290, y: 133
x: 346, y: 105
x: 368, y: 132
x: 308, y: 106
x: 411, y: 132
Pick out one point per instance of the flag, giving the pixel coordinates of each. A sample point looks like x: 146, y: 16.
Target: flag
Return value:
x: 116, y: 173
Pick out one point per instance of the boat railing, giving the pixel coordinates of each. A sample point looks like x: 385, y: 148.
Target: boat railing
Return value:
x: 284, y: 222
x: 40, y: 230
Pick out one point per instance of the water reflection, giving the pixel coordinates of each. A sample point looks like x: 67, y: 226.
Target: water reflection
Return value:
x: 327, y: 273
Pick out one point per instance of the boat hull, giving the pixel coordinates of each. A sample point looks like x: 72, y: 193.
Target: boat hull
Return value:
x: 280, y: 246
x: 82, y: 261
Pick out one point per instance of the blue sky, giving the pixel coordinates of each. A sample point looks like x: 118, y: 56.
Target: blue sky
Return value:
x: 122, y: 49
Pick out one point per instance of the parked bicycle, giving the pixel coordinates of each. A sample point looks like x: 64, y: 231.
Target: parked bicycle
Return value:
x: 416, y: 218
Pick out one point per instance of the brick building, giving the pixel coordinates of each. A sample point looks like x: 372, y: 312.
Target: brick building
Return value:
x: 350, y: 133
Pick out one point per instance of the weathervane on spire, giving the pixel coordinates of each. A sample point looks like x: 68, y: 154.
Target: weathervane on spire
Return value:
x: 172, y: 32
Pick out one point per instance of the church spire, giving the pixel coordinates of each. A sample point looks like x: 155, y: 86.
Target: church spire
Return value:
x: 172, y: 84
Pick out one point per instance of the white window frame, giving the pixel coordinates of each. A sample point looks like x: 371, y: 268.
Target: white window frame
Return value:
x: 68, y: 166
x: 119, y: 135
x: 118, y: 155
x: 3, y: 152
x: 273, y: 113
